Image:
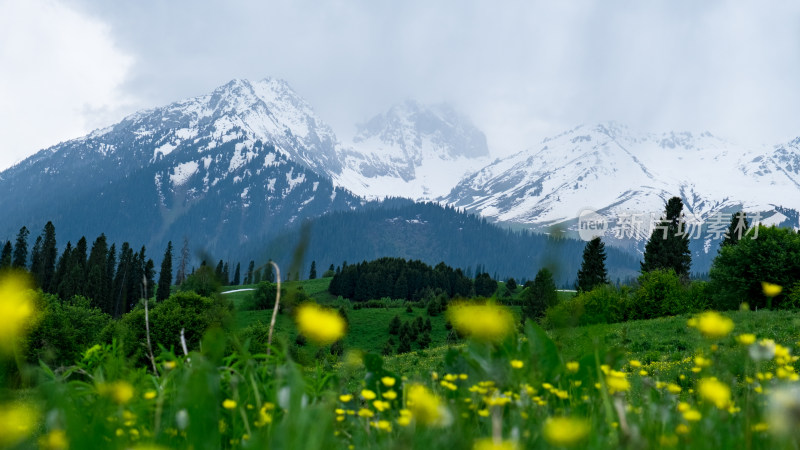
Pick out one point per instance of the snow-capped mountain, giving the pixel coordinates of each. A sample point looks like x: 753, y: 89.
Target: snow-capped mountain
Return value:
x: 412, y: 150
x: 240, y: 162
x: 616, y: 171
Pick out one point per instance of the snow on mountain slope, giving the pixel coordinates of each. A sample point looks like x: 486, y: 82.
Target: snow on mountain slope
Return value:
x: 414, y: 151
x: 614, y: 170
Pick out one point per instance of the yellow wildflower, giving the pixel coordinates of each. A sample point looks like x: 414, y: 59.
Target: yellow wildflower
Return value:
x: 491, y: 444
x: 674, y: 388
x: 229, y: 404
x: 344, y: 398
x: 17, y: 421
x: 149, y: 395
x: 746, y: 338
x: 617, y: 382
x: 573, y: 366
x: 635, y: 363
x: 692, y: 415
x: 715, y: 392
x: 681, y: 429
x: 425, y: 406
x: 169, y: 365
x: 17, y: 310
x: 405, y: 418
x: 384, y: 425
x: 484, y: 322
x: 388, y: 381
x: 517, y: 364
x: 712, y: 324
x: 770, y: 289
x: 389, y: 395
x: 368, y: 395
x: 565, y: 431
x: 364, y: 412
x: 381, y: 405
x: 322, y: 325
x: 759, y: 427
x: 54, y: 440
x: 120, y: 391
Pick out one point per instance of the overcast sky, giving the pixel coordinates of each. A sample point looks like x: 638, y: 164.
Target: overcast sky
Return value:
x: 521, y: 70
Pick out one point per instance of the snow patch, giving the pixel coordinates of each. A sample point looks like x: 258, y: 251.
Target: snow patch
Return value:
x: 182, y: 172
x: 165, y: 149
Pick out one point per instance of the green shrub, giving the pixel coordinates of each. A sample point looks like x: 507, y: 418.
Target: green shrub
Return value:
x: 603, y: 304
x: 65, y: 330
x: 567, y: 313
x: 660, y: 293
x: 203, y: 281
x: 264, y: 296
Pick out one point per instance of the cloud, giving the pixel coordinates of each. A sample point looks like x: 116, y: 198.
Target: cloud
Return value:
x: 522, y: 70
x: 61, y: 76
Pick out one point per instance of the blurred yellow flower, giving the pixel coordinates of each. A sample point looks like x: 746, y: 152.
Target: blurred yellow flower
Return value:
x: 344, y: 398
x: 229, y: 404
x: 517, y: 364
x: 565, y: 431
x: 635, y: 363
x: 149, y: 395
x: 715, y: 391
x: 17, y: 310
x: 617, y: 382
x: 368, y: 395
x: 54, y: 440
x: 120, y: 391
x: 712, y: 324
x: 17, y: 421
x: 425, y: 406
x: 573, y: 366
x: 491, y: 444
x: 746, y: 338
x: 388, y: 381
x: 692, y: 415
x: 770, y: 289
x: 483, y: 322
x: 389, y: 395
x: 322, y: 325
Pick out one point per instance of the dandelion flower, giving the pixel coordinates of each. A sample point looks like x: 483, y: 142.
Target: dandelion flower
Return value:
x: 389, y: 395
x: 565, y: 431
x: 229, y: 404
x: 483, y: 322
x: 388, y: 381
x: 517, y: 364
x: 120, y: 391
x: 368, y: 395
x: 425, y: 406
x: 715, y: 391
x: 692, y: 415
x: 322, y: 325
x: 344, y: 398
x: 617, y: 382
x: 770, y: 289
x: 16, y: 308
x: 149, y: 395
x: 573, y: 366
x: 54, y: 440
x: 17, y: 421
x: 746, y: 338
x: 712, y: 324
x: 491, y: 444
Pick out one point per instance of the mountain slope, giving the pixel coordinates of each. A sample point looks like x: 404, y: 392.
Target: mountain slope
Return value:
x: 244, y: 160
x: 413, y: 150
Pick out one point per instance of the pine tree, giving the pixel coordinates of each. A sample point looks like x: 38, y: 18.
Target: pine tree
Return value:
x: 121, y: 281
x: 36, y: 260
x: 237, y: 275
x: 312, y: 274
x: 180, y: 277
x: 394, y: 325
x: 97, y: 265
x: 111, y: 267
x: 20, y: 260
x: 248, y: 278
x: 165, y: 276
x: 736, y: 230
x: 269, y: 275
x: 61, y: 270
x: 593, y: 268
x: 257, y: 276
x: 149, y: 272
x: 539, y: 296
x: 5, y: 257
x: 668, y: 248
x: 220, y: 271
x: 49, y: 255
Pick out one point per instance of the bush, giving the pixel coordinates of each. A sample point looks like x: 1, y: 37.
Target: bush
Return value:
x: 65, y: 330
x: 660, y: 293
x: 603, y: 304
x: 183, y: 310
x: 263, y: 296
x: 539, y: 296
x: 738, y: 270
x: 203, y: 281
x: 567, y: 313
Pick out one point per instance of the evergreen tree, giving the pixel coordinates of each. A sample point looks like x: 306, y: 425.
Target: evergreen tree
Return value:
x: 736, y: 230
x: 20, y: 260
x: 111, y: 267
x: 149, y: 278
x: 511, y: 284
x: 593, y: 268
x: 220, y: 271
x: 424, y: 340
x: 257, y: 276
x: 5, y: 257
x: 49, y: 255
x: 268, y: 273
x: 387, y: 349
x: 62, y: 268
x: 485, y: 285
x: 181, y: 275
x: 97, y: 271
x: 540, y: 296
x: 36, y: 260
x: 394, y: 325
x: 668, y: 247
x: 226, y: 275
x: 237, y: 275
x: 122, y: 280
x: 248, y: 278
x: 165, y: 275
x: 312, y: 275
